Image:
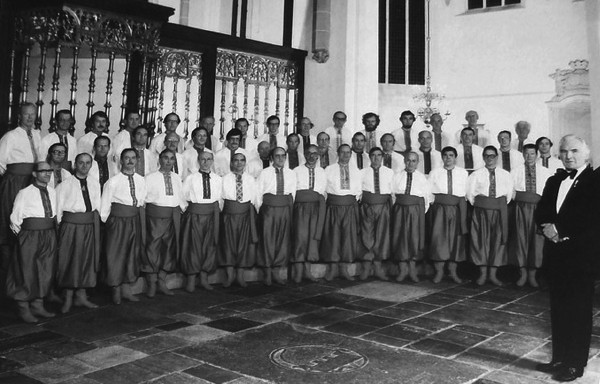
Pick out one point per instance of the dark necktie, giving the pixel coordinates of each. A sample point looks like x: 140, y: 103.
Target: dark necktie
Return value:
x: 305, y: 141
x: 407, y: 140
x: 344, y: 177
x: 279, y: 181
x: 437, y: 137
x: 243, y: 142
x: 293, y: 160
x: 376, y: 180
x: 57, y: 176
x: 265, y: 162
x: 272, y: 141
x: 520, y: 148
x: 86, y: 194
x: 371, y: 141
x: 545, y: 161
x: 102, y: 171
x: 427, y: 161
x: 409, y: 176
x: 205, y: 185
x: 32, y: 145
x: 63, y: 140
x: 530, y: 181
x: 132, y: 190
x: 359, y: 160
x: 506, y: 160
x: 311, y: 179
x: 492, y: 191
x: 325, y: 159
x: 45, y: 200
x: 468, y: 157
x: 449, y: 172
x: 239, y: 188
x: 168, y: 184
x: 209, y: 142
x: 175, y: 166
x: 140, y: 166
x: 387, y: 160
x: 475, y: 137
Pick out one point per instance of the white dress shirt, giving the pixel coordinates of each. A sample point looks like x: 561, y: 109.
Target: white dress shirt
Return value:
x: 156, y: 190
x: 94, y: 173
x: 222, y: 161
x: 64, y: 174
x: 436, y: 160
x: 85, y: 144
x: 15, y: 147
x: 249, y: 188
x: 150, y: 161
x: 190, y: 161
x: 484, y: 138
x: 157, y: 145
x: 193, y: 189
x: 400, y: 145
x: 334, y: 185
x: 281, y: 139
x: 419, y: 186
x: 346, y: 136
x: 267, y: 183
x: 254, y: 166
x: 477, y: 152
x: 438, y: 179
x: 447, y: 140
x: 397, y: 161
x: 386, y: 176
x: 376, y: 139
x: 28, y: 203
x: 365, y: 158
x: 313, y: 140
x: 541, y: 176
x: 553, y: 163
x: 52, y: 138
x: 514, y: 144
x: 116, y: 190
x: 216, y: 144
x: 516, y: 158
x: 478, y: 183
x: 565, y: 187
x: 69, y: 196
x: 332, y: 157
x: 303, y: 179
x: 121, y: 141
x: 301, y: 159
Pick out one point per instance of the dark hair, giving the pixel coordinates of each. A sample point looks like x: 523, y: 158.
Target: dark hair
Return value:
x: 89, y: 122
x: 97, y: 139
x: 233, y: 132
x: 52, y: 148
x: 490, y: 148
x: 368, y: 115
x: 242, y: 119
x: 272, y: 152
x: 509, y: 134
x: 323, y: 133
x: 172, y: 114
x: 467, y: 129
x: 406, y: 113
x: 530, y: 146
x: 165, y: 151
x: 196, y: 130
x: 273, y: 117
x: 387, y: 134
x: 343, y: 145
x: 449, y: 149
x: 54, y: 124
x: 292, y: 135
x: 127, y: 150
x: 359, y: 134
x: 539, y: 141
x: 375, y: 149
x: 83, y: 154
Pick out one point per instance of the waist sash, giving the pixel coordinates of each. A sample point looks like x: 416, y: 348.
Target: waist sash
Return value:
x: 207, y: 209
x: 232, y: 207
x: 277, y: 200
x: 308, y: 196
x: 409, y: 200
x: 86, y: 218
x: 38, y: 223
x: 341, y: 199
x: 376, y: 198
x: 496, y: 204
x: 20, y: 169
x: 122, y: 210
x: 454, y: 201
x: 527, y: 197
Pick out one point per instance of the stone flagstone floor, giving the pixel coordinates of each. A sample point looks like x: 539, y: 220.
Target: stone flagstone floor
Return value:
x: 326, y: 332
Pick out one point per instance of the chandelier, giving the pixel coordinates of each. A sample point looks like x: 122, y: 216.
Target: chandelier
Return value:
x: 425, y: 112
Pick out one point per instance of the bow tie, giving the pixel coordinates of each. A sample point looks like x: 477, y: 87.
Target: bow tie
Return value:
x: 564, y: 173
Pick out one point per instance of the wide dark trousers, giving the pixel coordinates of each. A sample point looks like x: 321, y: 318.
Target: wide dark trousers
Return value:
x: 341, y: 231
x: 198, y: 242
x: 78, y: 260
x: 275, y: 218
x: 236, y: 238
x: 124, y: 246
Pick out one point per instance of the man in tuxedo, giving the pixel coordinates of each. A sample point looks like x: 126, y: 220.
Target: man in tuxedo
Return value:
x: 567, y: 214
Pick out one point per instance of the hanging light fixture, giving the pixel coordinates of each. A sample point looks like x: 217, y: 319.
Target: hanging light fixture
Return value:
x: 425, y: 112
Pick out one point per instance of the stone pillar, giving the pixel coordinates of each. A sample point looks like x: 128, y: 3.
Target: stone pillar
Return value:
x: 593, y: 39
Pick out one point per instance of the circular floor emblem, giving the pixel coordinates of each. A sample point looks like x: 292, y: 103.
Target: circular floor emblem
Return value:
x: 319, y: 359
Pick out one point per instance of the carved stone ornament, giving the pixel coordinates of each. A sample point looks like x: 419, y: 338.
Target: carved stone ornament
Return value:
x: 180, y: 64
x: 572, y: 81
x: 72, y: 26
x: 255, y: 69
x: 321, y: 55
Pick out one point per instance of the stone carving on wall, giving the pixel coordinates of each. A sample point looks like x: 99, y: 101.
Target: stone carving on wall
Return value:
x: 571, y: 81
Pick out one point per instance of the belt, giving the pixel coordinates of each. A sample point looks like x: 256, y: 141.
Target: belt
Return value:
x: 527, y: 197
x: 277, y: 200
x: 308, y: 196
x: 402, y: 199
x: 376, y: 198
x: 39, y: 223
x: 20, y: 169
x: 496, y: 204
x: 341, y: 199
x: 207, y: 209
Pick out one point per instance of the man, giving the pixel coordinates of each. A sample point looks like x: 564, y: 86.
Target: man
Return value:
x: 489, y: 190
x: 545, y: 159
x: 413, y: 197
x: 448, y: 216
x: 510, y: 158
x: 525, y: 243
x: 164, y: 204
x: 391, y: 158
x: 103, y: 168
x: 98, y: 126
x: 568, y: 215
x: 522, y: 129
x: 306, y: 138
x: 171, y: 121
x: 223, y: 157
x: 263, y: 161
x: 371, y: 121
x: 375, y: 214
x: 56, y: 158
x: 122, y: 209
x: 78, y: 203
x: 19, y: 151
x: 62, y: 134
x: 441, y: 139
x: 469, y: 155
x: 360, y: 158
x: 32, y: 265
x: 238, y: 235
x: 340, y: 243
x: 481, y: 136
x: 273, y: 136
x: 213, y: 143
x: 190, y: 156
x: 146, y: 161
x: 405, y: 137
x: 339, y: 134
x: 200, y: 223
x: 124, y: 138
x: 294, y: 157
x: 247, y: 141
x: 275, y: 200
x: 429, y: 158
x: 327, y: 155
x: 309, y: 214
x: 172, y: 143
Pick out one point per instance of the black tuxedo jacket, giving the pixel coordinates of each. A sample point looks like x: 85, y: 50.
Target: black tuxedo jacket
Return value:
x: 578, y: 219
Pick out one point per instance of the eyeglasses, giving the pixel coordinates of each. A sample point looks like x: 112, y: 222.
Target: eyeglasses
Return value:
x: 492, y: 156
x: 57, y: 152
x: 45, y: 171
